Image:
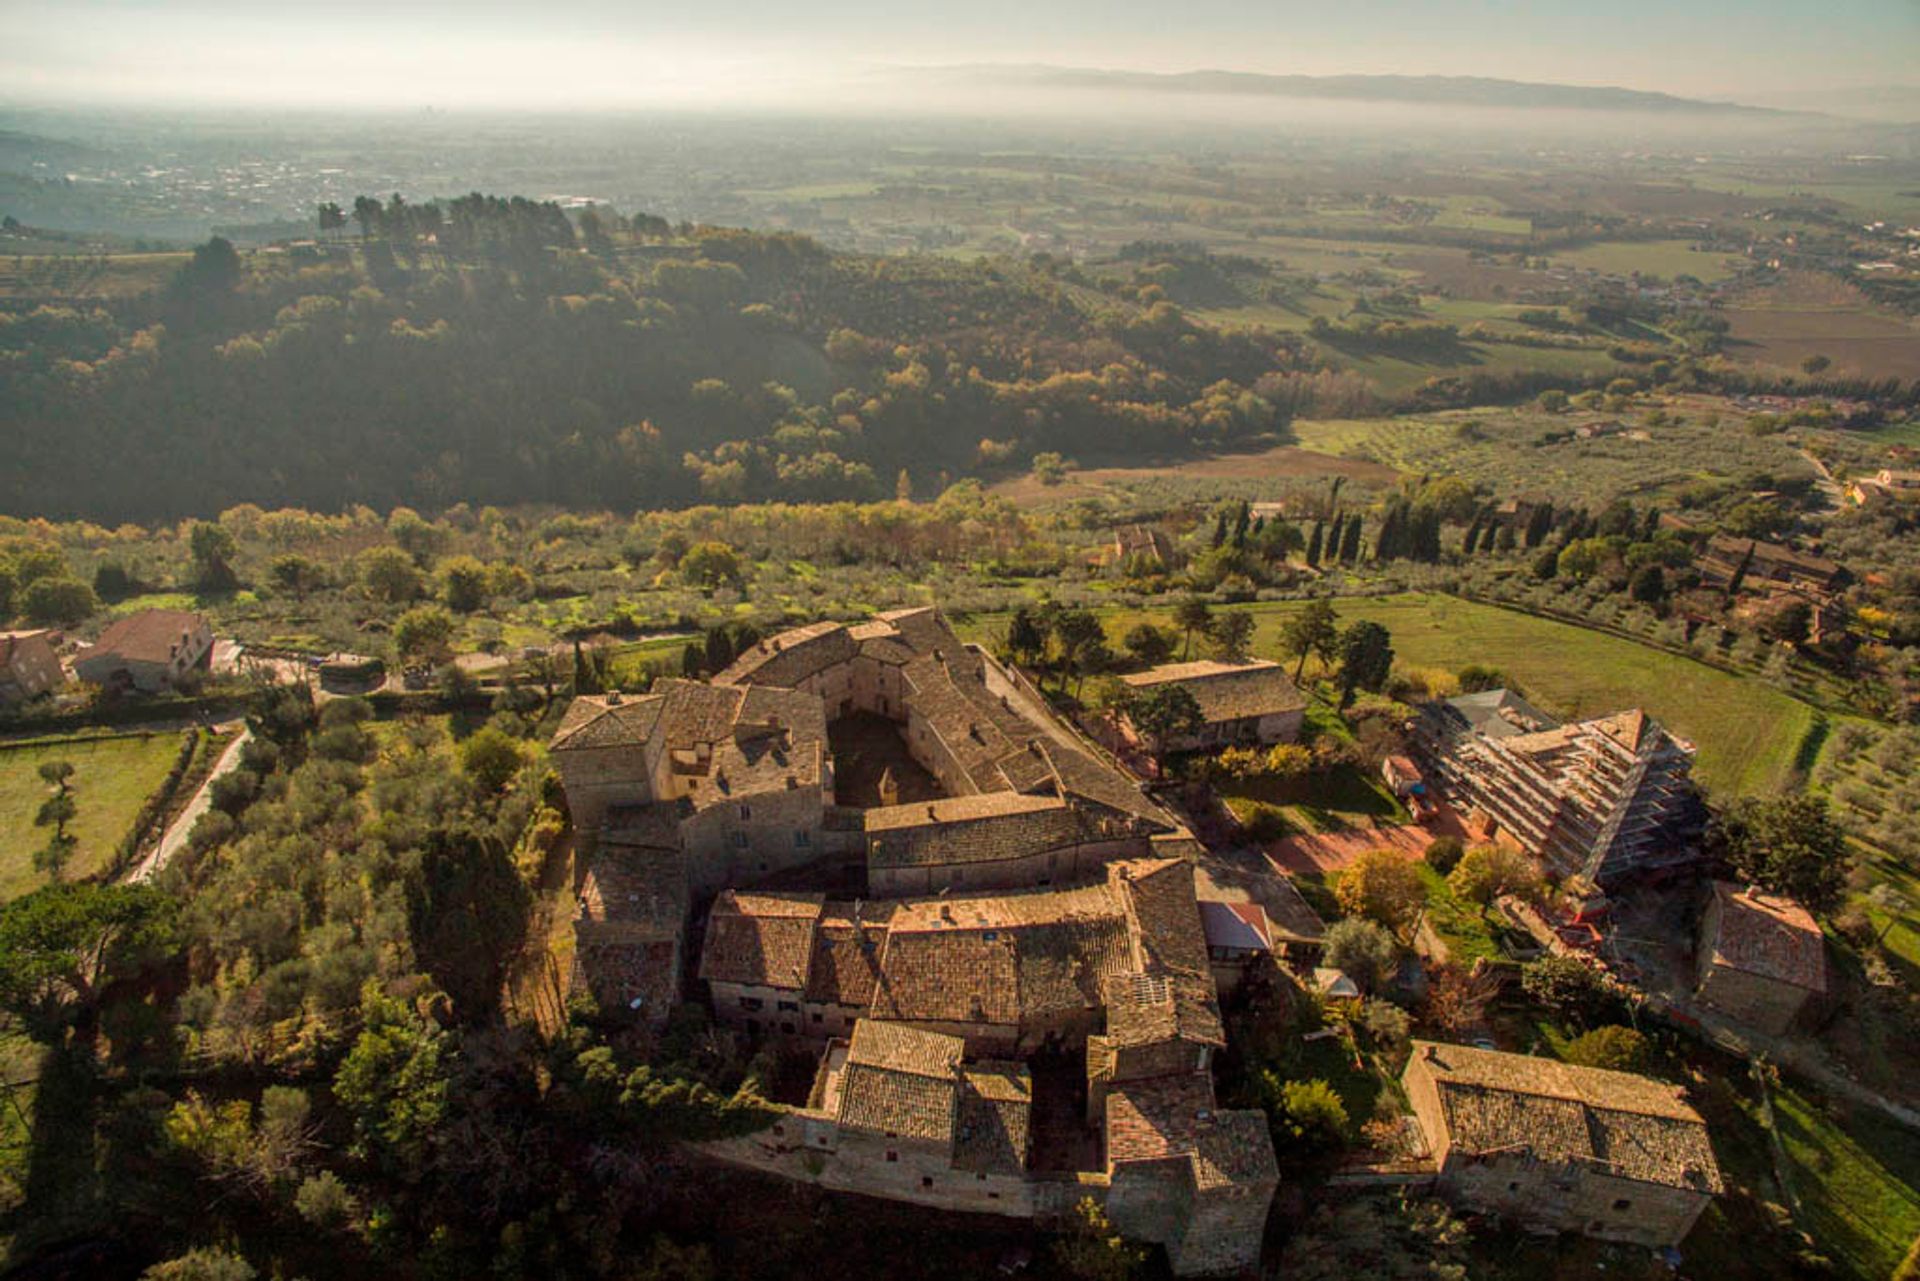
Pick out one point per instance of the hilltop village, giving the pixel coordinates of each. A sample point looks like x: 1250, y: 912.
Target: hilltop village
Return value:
x: 1011, y: 955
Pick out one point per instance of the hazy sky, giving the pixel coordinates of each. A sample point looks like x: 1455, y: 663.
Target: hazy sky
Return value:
x: 410, y: 52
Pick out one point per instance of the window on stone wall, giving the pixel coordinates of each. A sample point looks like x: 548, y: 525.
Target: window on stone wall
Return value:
x: 1622, y: 1204
x: 739, y: 840
x: 892, y: 1155
x: 751, y: 1003
x: 746, y: 813
x: 926, y: 1180
x: 802, y: 838
x: 790, y: 1006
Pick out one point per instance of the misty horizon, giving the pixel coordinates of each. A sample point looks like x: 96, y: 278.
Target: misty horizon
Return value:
x: 596, y: 55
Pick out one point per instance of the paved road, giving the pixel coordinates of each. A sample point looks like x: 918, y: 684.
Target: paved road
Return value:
x: 176, y: 834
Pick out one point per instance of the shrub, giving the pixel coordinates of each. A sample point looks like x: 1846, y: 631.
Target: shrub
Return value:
x: 1386, y: 1025
x: 1443, y: 853
x: 1265, y: 823
x: 1308, y: 1117
x: 1620, y: 1048
x: 324, y: 1201
x: 1361, y: 948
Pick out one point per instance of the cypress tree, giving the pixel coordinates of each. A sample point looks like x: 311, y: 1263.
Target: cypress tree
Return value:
x: 1314, y: 541
x: 1350, y: 544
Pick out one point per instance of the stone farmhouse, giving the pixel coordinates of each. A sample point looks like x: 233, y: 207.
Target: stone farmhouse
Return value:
x: 1008, y: 978
x: 149, y: 651
x: 1761, y: 958
x: 29, y: 667
x: 1548, y: 1144
x: 1756, y: 565
x: 1148, y: 542
x: 1602, y: 799
x: 1241, y: 704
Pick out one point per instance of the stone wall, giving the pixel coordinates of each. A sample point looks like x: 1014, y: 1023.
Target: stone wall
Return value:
x: 1571, y: 1197
x: 1049, y: 867
x: 1767, y: 1005
x: 738, y: 842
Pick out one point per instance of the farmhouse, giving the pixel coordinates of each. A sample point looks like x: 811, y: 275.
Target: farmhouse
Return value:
x: 149, y: 651
x: 1240, y: 703
x: 1601, y: 798
x: 29, y: 667
x: 1886, y: 486
x: 1606, y: 1154
x: 1148, y: 543
x: 1725, y: 562
x: 1761, y: 957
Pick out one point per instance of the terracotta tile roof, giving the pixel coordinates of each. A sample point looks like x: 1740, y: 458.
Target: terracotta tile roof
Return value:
x: 846, y: 953
x: 148, y: 636
x: 791, y: 657
x: 595, y: 720
x: 900, y: 1081
x: 1005, y: 959
x: 986, y: 828
x: 994, y: 1120
x: 764, y: 940
x: 1227, y: 691
x: 641, y: 893
x: 1174, y: 1118
x: 729, y: 741
x: 1626, y: 1125
x: 1770, y: 936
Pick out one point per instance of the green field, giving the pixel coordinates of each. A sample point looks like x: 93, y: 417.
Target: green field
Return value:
x: 1663, y: 258
x: 112, y: 778
x: 1748, y: 734
x: 1858, y: 1179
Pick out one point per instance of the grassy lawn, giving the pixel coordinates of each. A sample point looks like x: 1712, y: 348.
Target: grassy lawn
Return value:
x: 1459, y: 925
x: 1747, y: 733
x: 1342, y: 798
x: 112, y: 778
x: 1858, y: 1179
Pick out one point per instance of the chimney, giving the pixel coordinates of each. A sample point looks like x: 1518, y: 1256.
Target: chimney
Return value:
x: 613, y: 697
x: 1433, y: 1053
x: 931, y: 812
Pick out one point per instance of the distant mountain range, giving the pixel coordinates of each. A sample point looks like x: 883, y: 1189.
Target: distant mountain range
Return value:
x: 1459, y: 91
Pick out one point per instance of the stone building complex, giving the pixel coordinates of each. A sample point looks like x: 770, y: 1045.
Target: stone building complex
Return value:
x: 992, y: 937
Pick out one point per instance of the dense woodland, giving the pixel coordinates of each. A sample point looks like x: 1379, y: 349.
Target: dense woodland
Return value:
x: 488, y: 353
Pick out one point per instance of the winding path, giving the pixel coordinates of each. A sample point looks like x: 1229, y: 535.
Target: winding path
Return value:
x: 177, y: 831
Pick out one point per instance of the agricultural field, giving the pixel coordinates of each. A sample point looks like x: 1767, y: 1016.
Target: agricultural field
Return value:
x: 1249, y: 475
x: 71, y: 276
x: 1663, y: 258
x: 112, y: 778
x: 1872, y: 776
x: 1804, y: 315
x: 1504, y: 448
